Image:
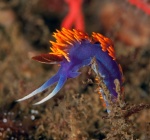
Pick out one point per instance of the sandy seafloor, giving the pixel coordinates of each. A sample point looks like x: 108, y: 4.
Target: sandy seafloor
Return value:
x: 76, y: 112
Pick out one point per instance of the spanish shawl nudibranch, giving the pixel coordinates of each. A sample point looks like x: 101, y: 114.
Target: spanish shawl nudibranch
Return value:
x: 74, y: 49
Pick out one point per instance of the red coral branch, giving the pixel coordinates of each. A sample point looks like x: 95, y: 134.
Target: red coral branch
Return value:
x: 75, y: 15
x: 141, y: 4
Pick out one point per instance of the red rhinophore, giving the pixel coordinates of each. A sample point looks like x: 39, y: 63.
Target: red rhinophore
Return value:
x: 75, y: 15
x: 141, y: 4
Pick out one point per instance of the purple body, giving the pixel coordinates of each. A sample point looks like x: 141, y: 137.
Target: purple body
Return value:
x: 80, y: 54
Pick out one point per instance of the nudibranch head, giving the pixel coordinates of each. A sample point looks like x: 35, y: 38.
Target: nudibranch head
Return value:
x: 73, y: 50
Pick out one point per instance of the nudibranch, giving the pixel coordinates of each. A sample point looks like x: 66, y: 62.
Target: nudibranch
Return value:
x: 73, y: 50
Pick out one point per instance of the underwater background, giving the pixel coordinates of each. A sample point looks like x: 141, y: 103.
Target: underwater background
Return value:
x: 76, y: 112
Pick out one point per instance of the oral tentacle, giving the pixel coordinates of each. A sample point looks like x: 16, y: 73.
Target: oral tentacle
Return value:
x: 60, y: 84
x: 47, y: 84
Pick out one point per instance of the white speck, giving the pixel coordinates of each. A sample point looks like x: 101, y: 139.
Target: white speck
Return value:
x: 1, y: 129
x: 8, y: 129
x: 32, y: 117
x: 12, y: 138
x: 5, y: 120
x: 12, y: 113
x: 20, y: 124
x: 5, y: 114
x: 13, y: 120
x: 34, y: 111
x: 25, y: 117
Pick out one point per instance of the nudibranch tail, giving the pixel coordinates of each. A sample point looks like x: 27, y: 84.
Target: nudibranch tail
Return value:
x: 60, y: 84
x: 47, y: 84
